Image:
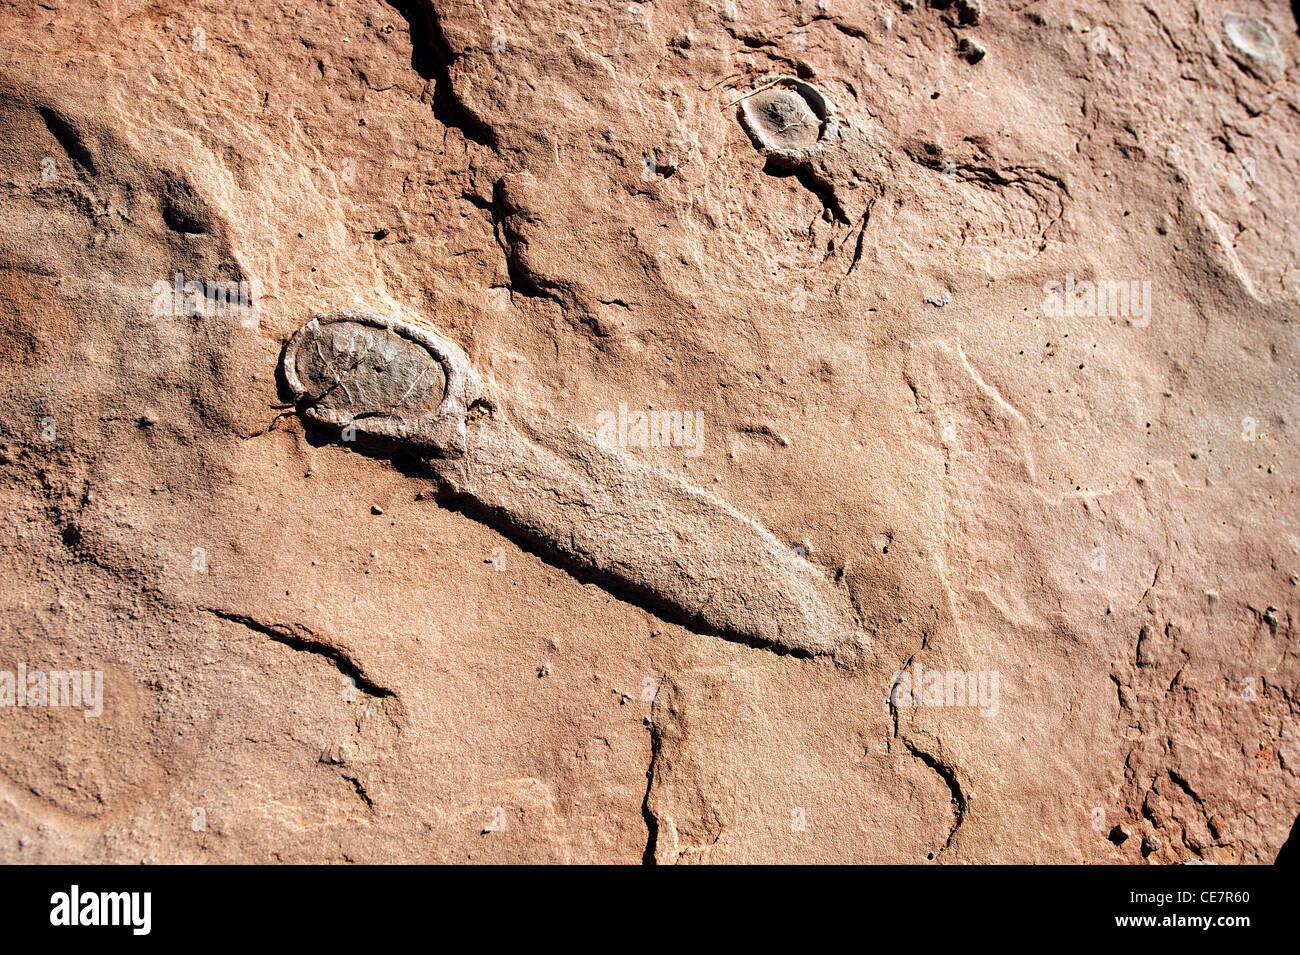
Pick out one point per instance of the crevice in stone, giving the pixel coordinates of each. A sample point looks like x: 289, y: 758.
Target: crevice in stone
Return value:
x: 522, y: 278
x: 824, y: 191
x: 360, y: 788
x: 69, y: 138
x: 297, y: 637
x: 949, y: 776
x: 430, y: 57
x: 651, y: 822
x: 528, y: 540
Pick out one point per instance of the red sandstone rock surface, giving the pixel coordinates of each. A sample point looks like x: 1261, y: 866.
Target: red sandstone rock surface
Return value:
x: 1005, y: 349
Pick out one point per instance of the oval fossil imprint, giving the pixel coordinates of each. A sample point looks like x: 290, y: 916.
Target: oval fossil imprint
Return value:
x: 379, y: 377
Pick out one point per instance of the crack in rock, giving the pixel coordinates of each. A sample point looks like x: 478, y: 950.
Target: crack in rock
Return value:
x: 297, y: 637
x: 948, y: 774
x: 651, y: 820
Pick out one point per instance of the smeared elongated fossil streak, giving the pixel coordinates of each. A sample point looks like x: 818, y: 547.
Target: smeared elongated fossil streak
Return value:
x: 593, y: 506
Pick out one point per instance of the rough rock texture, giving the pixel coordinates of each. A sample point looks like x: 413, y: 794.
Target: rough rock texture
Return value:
x: 1009, y: 364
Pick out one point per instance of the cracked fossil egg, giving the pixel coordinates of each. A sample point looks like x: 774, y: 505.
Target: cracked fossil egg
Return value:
x: 789, y: 117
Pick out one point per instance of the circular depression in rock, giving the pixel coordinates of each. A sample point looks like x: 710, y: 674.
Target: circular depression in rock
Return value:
x: 359, y: 369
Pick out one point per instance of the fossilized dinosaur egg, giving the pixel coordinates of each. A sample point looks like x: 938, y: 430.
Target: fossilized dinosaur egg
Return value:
x: 363, y: 370
x: 790, y: 118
